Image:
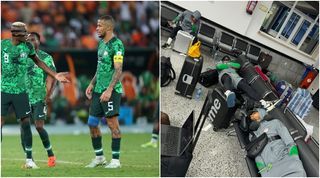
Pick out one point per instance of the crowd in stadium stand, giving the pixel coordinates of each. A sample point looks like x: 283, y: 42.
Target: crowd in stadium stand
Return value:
x: 70, y: 24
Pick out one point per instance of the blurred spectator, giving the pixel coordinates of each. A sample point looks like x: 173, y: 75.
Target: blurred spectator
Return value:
x: 125, y: 17
x: 129, y: 82
x: 138, y: 38
x: 89, y: 42
x: 5, y: 34
x: 72, y: 24
x: 26, y: 13
x: 140, y: 12
x: 148, y: 96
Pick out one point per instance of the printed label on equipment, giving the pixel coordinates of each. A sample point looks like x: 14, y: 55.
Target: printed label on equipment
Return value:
x: 214, y: 109
x: 187, y: 79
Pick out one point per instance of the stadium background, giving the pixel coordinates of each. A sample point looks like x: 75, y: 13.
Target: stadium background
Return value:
x: 68, y: 33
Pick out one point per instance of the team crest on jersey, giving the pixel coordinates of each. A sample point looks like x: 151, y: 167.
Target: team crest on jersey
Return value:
x: 105, y: 53
x: 23, y: 55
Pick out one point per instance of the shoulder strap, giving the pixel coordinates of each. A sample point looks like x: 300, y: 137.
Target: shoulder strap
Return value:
x: 200, y: 122
x: 172, y: 74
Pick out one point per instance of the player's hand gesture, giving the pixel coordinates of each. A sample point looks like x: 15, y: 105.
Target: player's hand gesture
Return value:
x: 106, y: 95
x: 62, y: 77
x: 89, y: 91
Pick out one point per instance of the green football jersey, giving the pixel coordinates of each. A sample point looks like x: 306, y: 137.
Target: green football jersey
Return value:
x: 14, y: 66
x: 107, y: 53
x: 36, y: 78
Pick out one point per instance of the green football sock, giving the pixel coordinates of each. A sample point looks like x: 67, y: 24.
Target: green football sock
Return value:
x: 115, y: 146
x: 45, y: 141
x: 97, y: 145
x: 27, y: 138
x: 22, y: 140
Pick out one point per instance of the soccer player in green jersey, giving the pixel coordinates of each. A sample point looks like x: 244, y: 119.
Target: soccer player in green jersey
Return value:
x: 153, y: 143
x: 14, y: 56
x: 39, y: 89
x: 105, y: 92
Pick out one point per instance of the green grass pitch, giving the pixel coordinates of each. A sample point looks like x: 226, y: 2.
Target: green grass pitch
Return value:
x: 73, y: 152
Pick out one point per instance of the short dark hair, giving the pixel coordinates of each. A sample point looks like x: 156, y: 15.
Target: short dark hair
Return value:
x: 165, y: 118
x: 226, y: 58
x: 252, y: 112
x: 35, y: 34
x: 107, y: 18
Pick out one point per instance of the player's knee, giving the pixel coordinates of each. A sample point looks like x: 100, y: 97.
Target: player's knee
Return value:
x: 25, y: 125
x: 39, y: 128
x: 39, y: 124
x: 25, y: 120
x: 110, y: 125
x: 114, y: 127
x: 93, y: 121
x: 116, y: 133
x: 113, y: 122
x: 95, y: 132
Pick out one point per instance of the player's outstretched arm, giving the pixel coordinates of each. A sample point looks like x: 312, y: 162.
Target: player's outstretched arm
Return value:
x: 50, y: 85
x: 115, y: 78
x: 58, y: 76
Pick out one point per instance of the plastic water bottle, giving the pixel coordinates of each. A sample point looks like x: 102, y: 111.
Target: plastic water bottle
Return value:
x: 198, y: 93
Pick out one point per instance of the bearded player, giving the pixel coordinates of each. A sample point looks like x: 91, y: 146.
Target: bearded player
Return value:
x: 105, y: 92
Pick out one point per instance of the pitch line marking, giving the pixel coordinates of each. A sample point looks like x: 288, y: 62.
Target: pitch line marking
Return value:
x: 69, y: 162
x: 76, y: 152
x: 58, y: 161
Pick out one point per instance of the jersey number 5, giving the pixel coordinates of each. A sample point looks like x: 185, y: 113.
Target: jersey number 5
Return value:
x: 110, y: 106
